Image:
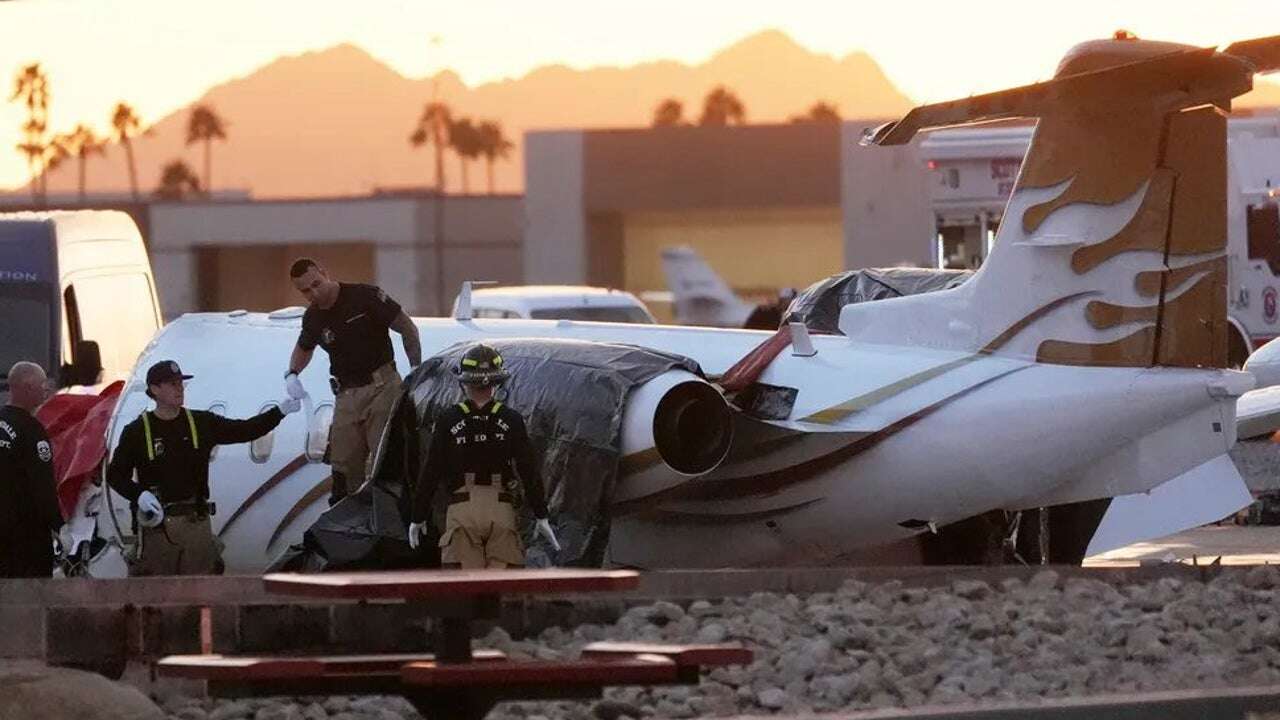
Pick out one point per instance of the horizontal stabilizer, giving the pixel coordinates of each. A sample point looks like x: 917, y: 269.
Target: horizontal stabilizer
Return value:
x: 1262, y: 53
x: 1193, y: 76
x: 1258, y: 413
x: 1199, y: 496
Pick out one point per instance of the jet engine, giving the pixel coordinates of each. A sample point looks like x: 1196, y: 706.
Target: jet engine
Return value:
x: 680, y: 420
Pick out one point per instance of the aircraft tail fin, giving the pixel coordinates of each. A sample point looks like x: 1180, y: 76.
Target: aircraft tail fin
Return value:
x: 1112, y: 250
x: 701, y: 296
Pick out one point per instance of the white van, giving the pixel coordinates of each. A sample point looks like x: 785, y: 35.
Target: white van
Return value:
x: 558, y: 302
x: 76, y: 294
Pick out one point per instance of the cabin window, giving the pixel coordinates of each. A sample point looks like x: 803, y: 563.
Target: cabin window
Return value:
x: 318, y: 432
x: 218, y: 408
x: 1264, y: 234
x: 260, y: 449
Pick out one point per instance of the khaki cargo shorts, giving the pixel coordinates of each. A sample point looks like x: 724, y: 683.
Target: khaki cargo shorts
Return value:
x: 480, y: 532
x: 359, y: 416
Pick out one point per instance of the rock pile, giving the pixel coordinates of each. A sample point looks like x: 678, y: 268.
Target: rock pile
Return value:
x: 883, y: 645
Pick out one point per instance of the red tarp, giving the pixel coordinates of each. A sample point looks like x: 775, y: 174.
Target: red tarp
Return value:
x: 77, y: 427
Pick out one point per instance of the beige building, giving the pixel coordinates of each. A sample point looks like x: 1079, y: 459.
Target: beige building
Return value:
x: 236, y: 254
x: 768, y: 206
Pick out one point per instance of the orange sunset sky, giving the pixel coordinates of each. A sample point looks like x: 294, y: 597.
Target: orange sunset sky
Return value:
x: 160, y: 55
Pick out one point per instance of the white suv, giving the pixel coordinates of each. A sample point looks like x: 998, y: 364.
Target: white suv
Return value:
x: 558, y: 302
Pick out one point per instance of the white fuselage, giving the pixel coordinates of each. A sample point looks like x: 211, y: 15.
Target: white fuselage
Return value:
x: 955, y: 435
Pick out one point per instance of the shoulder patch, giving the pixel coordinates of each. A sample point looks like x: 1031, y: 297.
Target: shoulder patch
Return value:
x: 44, y: 451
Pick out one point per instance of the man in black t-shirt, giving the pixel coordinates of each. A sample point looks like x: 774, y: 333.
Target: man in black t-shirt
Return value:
x: 28, y: 499
x: 169, y: 447
x: 350, y: 321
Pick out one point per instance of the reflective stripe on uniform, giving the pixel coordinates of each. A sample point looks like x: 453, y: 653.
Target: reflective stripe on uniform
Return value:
x: 146, y: 429
x: 466, y: 409
x: 151, y: 447
x: 496, y: 406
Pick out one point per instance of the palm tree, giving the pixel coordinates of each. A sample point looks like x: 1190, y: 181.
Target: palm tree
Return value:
x: 819, y: 112
x: 722, y: 107
x: 125, y: 125
x: 669, y: 113
x: 464, y: 138
x: 493, y: 145
x: 52, y: 155
x: 177, y: 182
x: 206, y: 126
x: 31, y: 88
x: 80, y: 143
x: 433, y: 127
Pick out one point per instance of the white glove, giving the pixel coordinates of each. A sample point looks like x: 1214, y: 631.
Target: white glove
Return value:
x: 543, y: 528
x: 416, y: 531
x: 150, y: 511
x: 289, y: 405
x: 293, y: 386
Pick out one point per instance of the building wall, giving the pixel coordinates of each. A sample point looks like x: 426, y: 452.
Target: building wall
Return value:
x: 885, y: 203
x: 555, y: 233
x: 385, y: 240
x: 757, y: 251
x: 696, y: 168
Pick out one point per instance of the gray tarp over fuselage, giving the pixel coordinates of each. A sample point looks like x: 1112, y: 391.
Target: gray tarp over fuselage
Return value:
x: 819, y: 305
x: 572, y: 395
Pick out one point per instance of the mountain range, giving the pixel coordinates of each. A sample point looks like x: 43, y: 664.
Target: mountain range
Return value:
x: 337, y: 121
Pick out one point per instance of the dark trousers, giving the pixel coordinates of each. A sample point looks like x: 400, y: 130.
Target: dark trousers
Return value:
x: 26, y: 559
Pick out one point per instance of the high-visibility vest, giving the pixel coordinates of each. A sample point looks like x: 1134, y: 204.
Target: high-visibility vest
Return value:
x: 466, y: 409
x: 146, y: 429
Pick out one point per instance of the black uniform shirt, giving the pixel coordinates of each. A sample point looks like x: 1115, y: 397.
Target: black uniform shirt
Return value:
x: 179, y: 471
x: 353, y: 331
x: 28, y: 498
x: 486, y: 441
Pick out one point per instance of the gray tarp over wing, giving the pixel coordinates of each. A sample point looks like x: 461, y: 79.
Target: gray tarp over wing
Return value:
x: 572, y: 395
x: 818, y: 307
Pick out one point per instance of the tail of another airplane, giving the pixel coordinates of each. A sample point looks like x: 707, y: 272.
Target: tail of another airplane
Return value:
x: 701, y: 296
x: 1112, y: 248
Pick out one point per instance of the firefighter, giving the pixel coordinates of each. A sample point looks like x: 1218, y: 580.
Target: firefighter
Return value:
x: 170, y: 447
x: 28, y: 499
x: 350, y: 321
x: 478, y: 449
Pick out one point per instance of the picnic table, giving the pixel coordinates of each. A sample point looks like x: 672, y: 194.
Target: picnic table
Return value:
x: 456, y: 681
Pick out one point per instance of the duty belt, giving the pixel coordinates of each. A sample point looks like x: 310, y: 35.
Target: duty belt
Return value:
x: 349, y: 382
x: 199, y: 508
x: 463, y: 496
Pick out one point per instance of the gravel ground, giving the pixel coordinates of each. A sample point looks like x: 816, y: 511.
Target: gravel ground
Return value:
x: 884, y: 645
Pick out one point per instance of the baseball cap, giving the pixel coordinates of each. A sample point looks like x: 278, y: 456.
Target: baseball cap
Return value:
x: 164, y: 371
